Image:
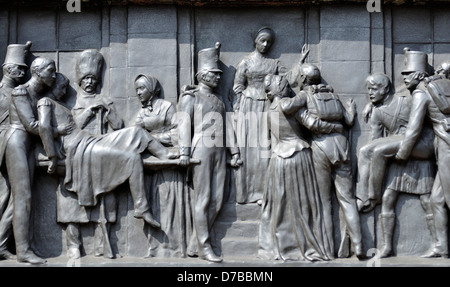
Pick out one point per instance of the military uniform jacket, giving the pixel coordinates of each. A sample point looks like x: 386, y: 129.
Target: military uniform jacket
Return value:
x: 391, y: 117
x: 423, y: 107
x: 204, y: 116
x: 334, y: 145
x: 5, y: 100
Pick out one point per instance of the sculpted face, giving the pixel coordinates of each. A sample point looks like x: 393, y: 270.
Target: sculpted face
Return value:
x: 89, y: 84
x: 263, y: 42
x: 60, y: 90
x: 212, y: 79
x: 378, y: 86
x: 16, y: 72
x: 48, y: 75
x: 410, y: 80
x: 376, y: 92
x: 142, y: 91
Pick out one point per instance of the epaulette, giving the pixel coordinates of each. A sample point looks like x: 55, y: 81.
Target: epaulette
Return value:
x: 19, y: 91
x: 188, y: 90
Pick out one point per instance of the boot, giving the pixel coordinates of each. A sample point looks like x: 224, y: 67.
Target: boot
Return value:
x: 5, y: 254
x: 147, y: 217
x: 387, y: 225
x: 160, y: 151
x: 209, y: 255
x: 359, y: 251
x: 440, y: 246
x: 30, y: 257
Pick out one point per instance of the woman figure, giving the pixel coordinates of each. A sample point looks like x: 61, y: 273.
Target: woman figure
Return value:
x: 169, y: 194
x: 292, y: 226
x: 250, y: 106
x: 95, y: 164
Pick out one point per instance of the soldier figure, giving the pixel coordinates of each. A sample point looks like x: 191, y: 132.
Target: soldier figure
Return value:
x: 331, y: 154
x: 14, y: 70
x: 430, y: 100
x: 204, y: 111
x: 390, y: 115
x: 20, y: 161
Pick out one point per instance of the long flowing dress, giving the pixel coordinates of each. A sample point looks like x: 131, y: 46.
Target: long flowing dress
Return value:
x: 97, y: 164
x: 169, y: 194
x: 292, y: 225
x: 251, y: 124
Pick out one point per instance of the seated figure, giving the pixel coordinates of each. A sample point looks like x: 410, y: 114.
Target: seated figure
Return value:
x: 97, y: 164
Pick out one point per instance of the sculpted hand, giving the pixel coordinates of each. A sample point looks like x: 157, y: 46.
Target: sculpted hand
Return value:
x: 184, y: 160
x: 52, y: 165
x: 236, y: 160
x: 338, y: 128
x: 65, y: 129
x: 305, y: 52
x: 351, y: 106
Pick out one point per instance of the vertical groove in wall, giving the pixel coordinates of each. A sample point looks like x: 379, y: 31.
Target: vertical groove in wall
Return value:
x: 432, y: 37
x: 193, y: 43
x: 127, y: 76
x: 370, y: 43
x: 57, y: 24
x: 305, y: 28
x: 319, y: 11
x: 177, y: 43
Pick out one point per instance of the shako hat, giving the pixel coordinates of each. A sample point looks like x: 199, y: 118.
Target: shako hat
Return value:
x: 17, y: 53
x: 415, y: 61
x: 208, y: 59
x: 89, y: 62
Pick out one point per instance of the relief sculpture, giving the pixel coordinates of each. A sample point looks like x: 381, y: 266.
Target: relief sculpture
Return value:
x: 287, y: 137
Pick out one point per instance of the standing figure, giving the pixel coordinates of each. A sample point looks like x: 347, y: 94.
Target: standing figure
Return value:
x: 203, y: 112
x: 14, y: 70
x: 251, y: 106
x: 96, y: 114
x: 430, y: 105
x: 20, y: 159
x: 292, y: 218
x: 331, y: 155
x: 390, y: 115
x: 169, y: 193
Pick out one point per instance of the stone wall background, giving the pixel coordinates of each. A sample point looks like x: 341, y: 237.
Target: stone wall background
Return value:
x: 346, y: 42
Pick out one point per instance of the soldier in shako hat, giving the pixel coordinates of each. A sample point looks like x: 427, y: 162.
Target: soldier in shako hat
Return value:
x: 14, y: 71
x: 199, y: 105
x: 431, y: 107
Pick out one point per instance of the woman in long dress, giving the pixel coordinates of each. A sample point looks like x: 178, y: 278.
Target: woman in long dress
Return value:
x: 169, y: 192
x: 251, y: 106
x: 292, y: 226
